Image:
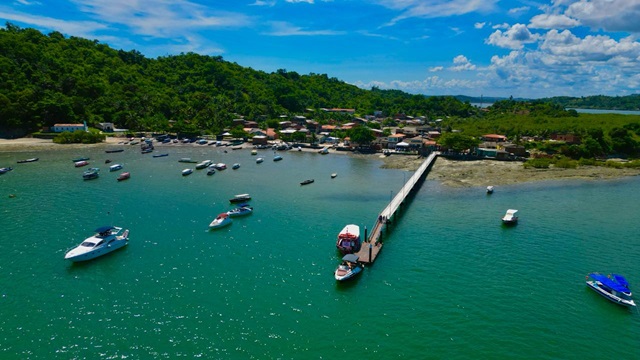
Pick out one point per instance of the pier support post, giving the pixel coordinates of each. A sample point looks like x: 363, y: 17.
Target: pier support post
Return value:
x: 370, y: 250
x: 366, y: 238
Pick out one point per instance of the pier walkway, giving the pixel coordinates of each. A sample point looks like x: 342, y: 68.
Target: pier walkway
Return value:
x: 372, y: 246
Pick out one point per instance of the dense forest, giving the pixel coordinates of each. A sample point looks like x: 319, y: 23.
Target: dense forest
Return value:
x: 48, y: 79
x: 630, y: 102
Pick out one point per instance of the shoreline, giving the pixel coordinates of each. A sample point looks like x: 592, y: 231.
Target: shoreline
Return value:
x: 452, y: 173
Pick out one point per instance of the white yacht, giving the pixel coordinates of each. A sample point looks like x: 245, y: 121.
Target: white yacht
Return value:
x: 105, y: 240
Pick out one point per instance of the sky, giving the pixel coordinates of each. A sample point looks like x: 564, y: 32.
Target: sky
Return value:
x: 519, y: 48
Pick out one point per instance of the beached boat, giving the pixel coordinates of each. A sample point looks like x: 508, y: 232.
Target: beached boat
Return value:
x: 186, y: 172
x: 240, y: 198
x: 115, y: 167
x: 308, y: 181
x: 349, y: 267
x: 324, y: 151
x: 5, y: 170
x: 489, y: 189
x: 277, y: 158
x: 160, y: 155
x: 28, y: 160
x: 223, y: 219
x: 349, y: 239
x: 511, y: 217
x: 124, y: 176
x: 81, y: 163
x: 614, y: 288
x: 241, y: 210
x: 91, y: 173
x: 114, y: 151
x: 235, y: 166
x: 259, y: 160
x: 106, y: 239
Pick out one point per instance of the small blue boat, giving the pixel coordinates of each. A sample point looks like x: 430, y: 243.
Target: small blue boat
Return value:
x: 160, y: 155
x: 614, y: 288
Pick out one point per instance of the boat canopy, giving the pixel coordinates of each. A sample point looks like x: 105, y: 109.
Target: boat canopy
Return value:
x: 350, y: 258
x: 620, y: 280
x: 104, y: 229
x: 609, y: 283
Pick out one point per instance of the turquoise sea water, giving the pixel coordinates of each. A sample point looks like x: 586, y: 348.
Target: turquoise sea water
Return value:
x: 451, y: 281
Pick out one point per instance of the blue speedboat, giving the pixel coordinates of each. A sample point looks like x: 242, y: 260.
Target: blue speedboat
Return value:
x: 615, y: 288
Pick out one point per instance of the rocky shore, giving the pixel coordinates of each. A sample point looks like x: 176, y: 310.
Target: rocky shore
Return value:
x: 449, y: 172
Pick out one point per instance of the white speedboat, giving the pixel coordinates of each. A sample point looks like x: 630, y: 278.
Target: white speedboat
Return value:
x: 614, y: 288
x: 349, y: 267
x: 186, y: 172
x: 241, y: 210
x: 91, y: 173
x: 490, y: 189
x: 259, y: 160
x: 221, y: 220
x: 115, y: 167
x: 240, y: 198
x: 349, y: 239
x: 220, y: 166
x: 511, y: 217
x: 105, y: 240
x: 203, y: 164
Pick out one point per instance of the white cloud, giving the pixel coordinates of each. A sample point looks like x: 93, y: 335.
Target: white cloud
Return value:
x: 461, y: 63
x: 501, y: 26
x: 436, y: 69
x: 281, y: 28
x: 300, y: 1
x: 436, y: 8
x: 263, y: 3
x: 28, y: 2
x: 609, y: 15
x: 479, y: 25
x: 514, y: 38
x: 552, y: 21
x: 518, y: 10
x: 86, y: 29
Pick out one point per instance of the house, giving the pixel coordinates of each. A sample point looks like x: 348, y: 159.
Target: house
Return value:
x: 68, y: 127
x: 106, y: 127
x: 393, y: 140
x: 568, y: 138
x: 272, y: 134
x: 493, y: 138
x: 259, y: 140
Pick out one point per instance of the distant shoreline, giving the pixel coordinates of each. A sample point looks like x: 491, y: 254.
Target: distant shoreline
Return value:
x: 451, y: 173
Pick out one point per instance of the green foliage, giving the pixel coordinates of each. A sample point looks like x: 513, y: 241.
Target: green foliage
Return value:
x: 361, y: 135
x: 539, y: 163
x: 565, y: 163
x: 79, y: 137
x: 630, y: 102
x: 458, y: 142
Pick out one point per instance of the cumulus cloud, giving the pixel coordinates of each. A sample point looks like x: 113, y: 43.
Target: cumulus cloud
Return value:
x: 609, y: 15
x: 552, y: 21
x: 479, y: 25
x: 513, y: 38
x: 461, y: 63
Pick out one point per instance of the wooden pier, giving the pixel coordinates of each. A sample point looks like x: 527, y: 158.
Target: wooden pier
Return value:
x: 372, y: 245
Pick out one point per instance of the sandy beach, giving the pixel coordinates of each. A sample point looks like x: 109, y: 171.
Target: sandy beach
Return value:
x: 449, y: 172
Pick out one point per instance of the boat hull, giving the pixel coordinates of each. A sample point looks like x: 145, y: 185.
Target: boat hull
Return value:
x: 117, y: 244
x: 593, y: 285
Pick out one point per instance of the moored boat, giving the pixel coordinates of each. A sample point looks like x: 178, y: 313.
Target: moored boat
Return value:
x: 511, y: 217
x: 80, y: 159
x: 220, y: 166
x: 28, y: 160
x: 211, y: 171
x: 240, y: 198
x: 333, y: 176
x: 614, y: 288
x: 186, y: 172
x: 124, y: 176
x: 324, y: 151
x: 259, y: 160
x: 105, y: 240
x: 5, y: 170
x: 235, y: 166
x: 349, y: 267
x: 221, y: 220
x: 115, y: 167
x: 187, y: 160
x: 490, y: 189
x: 203, y: 164
x: 349, y: 239
x: 308, y: 181
x: 254, y: 152
x: 91, y: 173
x: 81, y: 163
x: 114, y: 151
x: 160, y: 155
x: 277, y: 158
x: 241, y: 210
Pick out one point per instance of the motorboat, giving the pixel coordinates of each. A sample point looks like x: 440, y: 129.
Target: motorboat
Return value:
x: 235, y: 166
x: 80, y: 159
x: 187, y: 160
x: 124, y: 176
x: 107, y: 161
x: 5, y: 170
x: 115, y: 167
x: 241, y: 210
x: 615, y: 288
x: 28, y: 160
x: 254, y: 152
x: 146, y: 150
x: 223, y: 219
x: 349, y: 239
x: 349, y: 267
x: 203, y: 164
x: 333, y: 176
x: 511, y: 217
x: 490, y: 189
x: 277, y: 158
x: 114, y: 151
x: 259, y: 160
x: 220, y: 166
x: 105, y: 240
x: 308, y: 181
x: 186, y: 172
x: 81, y: 163
x: 324, y: 151
x: 91, y: 173
x: 240, y: 198
x: 160, y: 155
x: 211, y: 171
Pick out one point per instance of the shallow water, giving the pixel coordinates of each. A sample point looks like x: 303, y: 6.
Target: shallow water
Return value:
x: 451, y: 281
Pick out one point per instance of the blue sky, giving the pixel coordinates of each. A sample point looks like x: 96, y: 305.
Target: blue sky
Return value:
x: 516, y: 48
